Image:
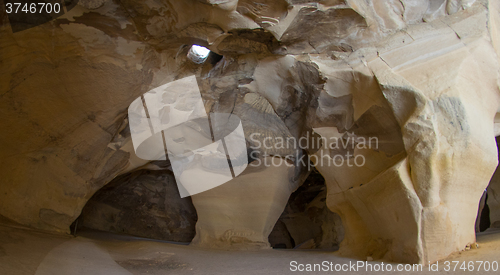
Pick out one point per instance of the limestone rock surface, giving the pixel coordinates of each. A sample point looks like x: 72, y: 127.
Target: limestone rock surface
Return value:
x: 241, y: 213
x: 410, y: 88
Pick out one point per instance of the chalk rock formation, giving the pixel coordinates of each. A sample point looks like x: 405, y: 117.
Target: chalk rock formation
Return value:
x: 409, y: 89
x: 442, y: 86
x: 241, y: 213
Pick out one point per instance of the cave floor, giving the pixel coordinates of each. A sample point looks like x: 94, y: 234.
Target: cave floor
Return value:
x: 25, y: 251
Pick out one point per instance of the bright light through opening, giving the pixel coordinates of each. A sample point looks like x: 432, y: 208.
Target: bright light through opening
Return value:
x: 200, y: 51
x: 198, y: 54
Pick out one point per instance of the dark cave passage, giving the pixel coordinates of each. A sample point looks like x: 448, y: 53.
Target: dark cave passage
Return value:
x: 306, y: 222
x: 144, y: 204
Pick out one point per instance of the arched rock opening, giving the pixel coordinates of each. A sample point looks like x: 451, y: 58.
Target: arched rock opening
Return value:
x: 306, y: 222
x: 143, y: 203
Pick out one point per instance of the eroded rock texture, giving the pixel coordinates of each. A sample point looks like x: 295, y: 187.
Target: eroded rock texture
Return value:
x: 306, y: 221
x: 418, y: 79
x: 143, y: 203
x: 430, y: 195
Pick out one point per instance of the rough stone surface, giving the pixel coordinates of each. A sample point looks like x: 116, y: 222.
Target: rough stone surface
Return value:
x: 306, y: 217
x: 420, y: 76
x: 143, y: 203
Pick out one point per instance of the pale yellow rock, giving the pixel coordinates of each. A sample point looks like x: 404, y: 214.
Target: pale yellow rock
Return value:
x: 422, y: 76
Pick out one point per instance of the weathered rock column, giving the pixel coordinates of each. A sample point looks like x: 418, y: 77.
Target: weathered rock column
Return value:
x: 443, y: 90
x: 241, y: 213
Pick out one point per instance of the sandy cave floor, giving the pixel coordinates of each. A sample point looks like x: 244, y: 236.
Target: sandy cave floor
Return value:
x: 24, y: 251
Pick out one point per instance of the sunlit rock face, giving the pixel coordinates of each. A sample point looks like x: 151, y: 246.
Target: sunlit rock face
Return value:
x: 410, y: 87
x: 241, y: 213
x: 435, y: 81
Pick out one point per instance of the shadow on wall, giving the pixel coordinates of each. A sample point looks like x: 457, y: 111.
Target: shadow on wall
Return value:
x: 489, y: 206
x: 144, y: 204
x: 483, y: 214
x: 306, y: 222
x: 147, y: 204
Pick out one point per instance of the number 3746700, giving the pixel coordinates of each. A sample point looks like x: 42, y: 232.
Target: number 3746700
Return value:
x: 33, y: 7
x: 471, y: 266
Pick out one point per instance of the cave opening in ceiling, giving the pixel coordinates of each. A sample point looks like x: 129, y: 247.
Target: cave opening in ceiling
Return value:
x: 198, y: 54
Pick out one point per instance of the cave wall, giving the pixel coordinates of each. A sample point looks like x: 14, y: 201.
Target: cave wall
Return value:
x: 66, y: 86
x: 420, y: 76
x: 143, y: 203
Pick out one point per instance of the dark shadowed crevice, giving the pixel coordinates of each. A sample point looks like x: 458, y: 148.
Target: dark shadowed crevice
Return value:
x: 144, y: 204
x: 488, y: 214
x: 214, y: 58
x: 485, y: 222
x: 306, y: 222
